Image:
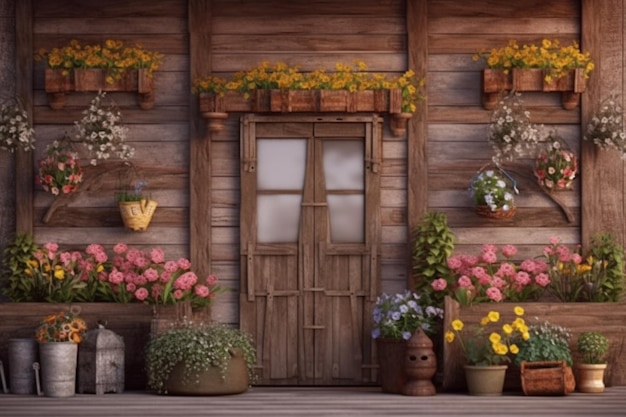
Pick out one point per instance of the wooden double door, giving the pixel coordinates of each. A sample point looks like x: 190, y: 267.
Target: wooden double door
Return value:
x: 310, y: 245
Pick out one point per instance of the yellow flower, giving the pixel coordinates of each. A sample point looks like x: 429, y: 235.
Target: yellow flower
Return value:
x: 484, y: 321
x: 500, y: 348
x: 495, y: 337
x: 59, y: 273
x: 507, y: 329
x: 494, y: 316
x: 514, y: 349
x: 519, y: 311
x: 449, y: 336
x: 457, y: 325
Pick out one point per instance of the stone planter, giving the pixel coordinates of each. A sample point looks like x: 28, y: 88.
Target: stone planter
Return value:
x: 212, y: 381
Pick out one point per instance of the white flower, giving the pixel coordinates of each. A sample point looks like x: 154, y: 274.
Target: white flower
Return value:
x: 510, y: 133
x: 606, y: 128
x: 99, y: 130
x: 16, y: 131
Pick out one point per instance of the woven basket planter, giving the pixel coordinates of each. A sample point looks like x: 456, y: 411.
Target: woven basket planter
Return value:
x: 486, y: 211
x: 137, y: 214
x: 547, y: 378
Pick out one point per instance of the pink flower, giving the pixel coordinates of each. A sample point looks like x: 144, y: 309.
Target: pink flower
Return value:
x: 157, y: 290
x: 494, y: 294
x: 489, y: 248
x: 489, y: 257
x: 465, y: 282
x: 130, y: 287
x: 65, y: 257
x: 51, y: 246
x: 522, y: 278
x: 184, y: 263
x: 439, y: 284
x: 170, y: 266
x: 178, y: 294
x: 141, y: 294
x: 202, y: 291
x: 151, y: 274
x: 542, y: 279
x: 120, y: 248
x: 211, y: 280
x: 116, y: 277
x: 157, y: 255
x: 576, y: 258
x: 509, y: 251
x: 554, y: 240
x: 454, y: 262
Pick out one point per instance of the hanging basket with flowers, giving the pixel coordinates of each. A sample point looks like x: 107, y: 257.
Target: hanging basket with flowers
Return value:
x: 59, y: 171
x: 606, y: 128
x: 555, y: 165
x: 492, y: 191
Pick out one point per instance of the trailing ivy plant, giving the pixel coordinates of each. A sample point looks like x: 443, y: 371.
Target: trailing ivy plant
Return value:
x: 199, y: 346
x: 609, y: 287
x: 433, y: 245
x: 15, y: 258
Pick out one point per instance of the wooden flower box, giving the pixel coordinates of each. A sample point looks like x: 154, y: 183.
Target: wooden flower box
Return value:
x: 494, y: 81
x: 607, y: 318
x: 213, y: 107
x: 93, y: 80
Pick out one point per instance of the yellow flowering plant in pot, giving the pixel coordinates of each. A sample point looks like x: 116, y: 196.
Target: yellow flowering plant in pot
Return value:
x: 490, y: 342
x: 487, y: 349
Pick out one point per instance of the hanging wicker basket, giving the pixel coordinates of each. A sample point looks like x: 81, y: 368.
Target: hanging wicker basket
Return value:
x: 137, y: 214
x: 486, y: 211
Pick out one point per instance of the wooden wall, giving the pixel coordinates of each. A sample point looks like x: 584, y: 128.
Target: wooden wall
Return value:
x: 457, y: 130
x: 194, y: 175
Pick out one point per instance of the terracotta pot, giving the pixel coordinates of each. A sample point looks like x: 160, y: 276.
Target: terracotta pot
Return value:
x: 590, y: 377
x: 485, y: 380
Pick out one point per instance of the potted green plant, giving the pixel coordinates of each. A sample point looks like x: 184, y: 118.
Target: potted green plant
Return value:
x: 593, y: 347
x: 545, y: 360
x: 200, y: 359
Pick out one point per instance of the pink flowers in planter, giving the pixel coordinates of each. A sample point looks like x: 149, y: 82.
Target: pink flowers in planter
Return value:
x: 143, y: 276
x: 486, y: 277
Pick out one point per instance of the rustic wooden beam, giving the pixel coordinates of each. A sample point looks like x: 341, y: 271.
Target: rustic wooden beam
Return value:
x: 199, y: 17
x: 24, y: 91
x: 602, y: 173
x: 417, y: 165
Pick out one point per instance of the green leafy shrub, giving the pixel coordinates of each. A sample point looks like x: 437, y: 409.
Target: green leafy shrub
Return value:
x: 593, y: 347
x: 547, y: 342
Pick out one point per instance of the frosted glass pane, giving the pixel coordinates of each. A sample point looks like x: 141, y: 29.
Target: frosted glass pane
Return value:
x: 346, y: 218
x: 278, y: 218
x: 344, y: 164
x: 280, y: 164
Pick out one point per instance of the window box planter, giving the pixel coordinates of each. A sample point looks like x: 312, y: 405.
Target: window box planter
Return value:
x: 212, y: 106
x: 526, y: 80
x: 93, y: 80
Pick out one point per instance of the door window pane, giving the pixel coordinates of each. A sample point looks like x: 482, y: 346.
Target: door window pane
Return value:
x: 281, y: 164
x: 278, y: 218
x: 347, y: 216
x: 344, y: 164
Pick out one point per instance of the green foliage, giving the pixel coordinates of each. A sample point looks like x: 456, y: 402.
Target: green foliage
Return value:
x: 14, y: 264
x: 593, y: 347
x: 610, y: 255
x: 547, y: 342
x: 200, y: 346
x: 433, y: 245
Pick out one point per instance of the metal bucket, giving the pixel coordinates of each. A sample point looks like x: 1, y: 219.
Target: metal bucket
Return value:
x: 58, y: 368
x: 22, y: 355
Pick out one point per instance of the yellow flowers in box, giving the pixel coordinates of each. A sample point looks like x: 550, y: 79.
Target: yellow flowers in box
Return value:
x: 283, y: 77
x: 551, y: 56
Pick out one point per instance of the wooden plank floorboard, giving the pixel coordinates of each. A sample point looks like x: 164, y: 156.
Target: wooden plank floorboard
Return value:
x: 328, y: 401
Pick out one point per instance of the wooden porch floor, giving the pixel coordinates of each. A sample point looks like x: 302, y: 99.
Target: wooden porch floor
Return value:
x: 328, y: 401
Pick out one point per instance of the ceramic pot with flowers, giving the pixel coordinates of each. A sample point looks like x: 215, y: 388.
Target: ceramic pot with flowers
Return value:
x: 488, y: 345
x: 59, y: 335
x: 555, y: 165
x: 396, y: 317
